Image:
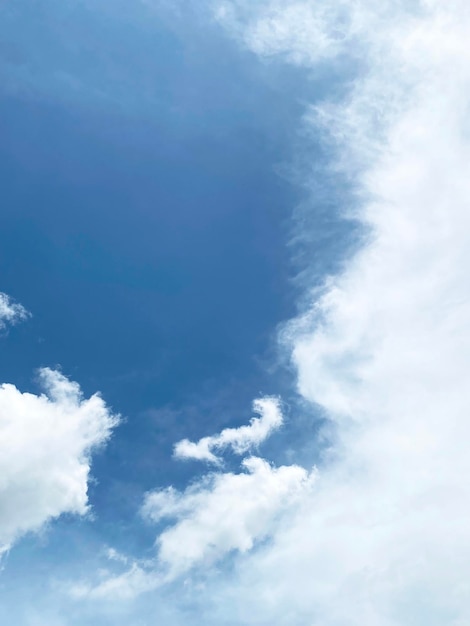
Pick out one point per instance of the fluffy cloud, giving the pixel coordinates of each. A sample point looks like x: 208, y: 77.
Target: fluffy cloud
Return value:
x: 46, y: 443
x: 219, y: 514
x: 240, y: 439
x: 10, y: 312
x: 383, y: 539
x: 223, y: 512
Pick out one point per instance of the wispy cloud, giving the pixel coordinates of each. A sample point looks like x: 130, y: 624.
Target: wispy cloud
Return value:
x: 241, y: 439
x: 11, y: 312
x: 302, y: 32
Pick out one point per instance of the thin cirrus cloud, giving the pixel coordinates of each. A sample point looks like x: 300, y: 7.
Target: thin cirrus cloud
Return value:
x: 46, y: 442
x: 240, y: 440
x: 381, y: 536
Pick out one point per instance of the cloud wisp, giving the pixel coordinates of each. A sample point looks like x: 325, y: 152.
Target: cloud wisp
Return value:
x: 11, y: 312
x: 46, y: 442
x: 240, y: 440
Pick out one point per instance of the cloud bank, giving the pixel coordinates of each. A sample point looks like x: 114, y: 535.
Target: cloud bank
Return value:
x: 46, y: 442
x: 383, y: 539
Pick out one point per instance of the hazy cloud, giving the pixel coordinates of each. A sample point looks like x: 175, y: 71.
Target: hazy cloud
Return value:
x: 222, y: 512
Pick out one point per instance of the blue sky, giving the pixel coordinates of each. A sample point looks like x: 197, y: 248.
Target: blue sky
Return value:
x: 243, y: 225
x: 146, y: 215
x: 147, y: 237
x: 146, y: 227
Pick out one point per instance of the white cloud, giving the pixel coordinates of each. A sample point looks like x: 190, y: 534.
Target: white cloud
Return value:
x: 383, y: 540
x: 298, y: 30
x: 46, y: 443
x: 219, y: 514
x: 240, y: 439
x: 11, y: 312
x: 135, y: 580
x: 222, y: 512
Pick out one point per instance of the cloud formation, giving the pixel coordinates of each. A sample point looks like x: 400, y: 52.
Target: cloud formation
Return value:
x: 217, y: 515
x: 222, y: 512
x: 383, y: 539
x: 11, y: 312
x: 46, y: 442
x: 241, y: 439
x: 381, y: 536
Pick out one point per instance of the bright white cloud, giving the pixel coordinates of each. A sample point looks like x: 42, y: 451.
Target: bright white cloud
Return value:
x: 219, y: 514
x: 223, y: 512
x: 10, y: 312
x: 46, y: 443
x: 241, y: 439
x: 383, y: 540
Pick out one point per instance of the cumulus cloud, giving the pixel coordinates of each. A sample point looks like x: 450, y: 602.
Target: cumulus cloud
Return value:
x: 11, y: 312
x: 240, y: 439
x: 218, y: 514
x: 223, y: 512
x: 383, y: 539
x: 46, y: 442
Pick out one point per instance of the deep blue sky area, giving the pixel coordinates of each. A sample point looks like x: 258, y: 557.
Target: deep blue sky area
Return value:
x: 144, y: 225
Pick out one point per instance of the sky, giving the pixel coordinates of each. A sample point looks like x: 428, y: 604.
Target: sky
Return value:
x: 234, y: 313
